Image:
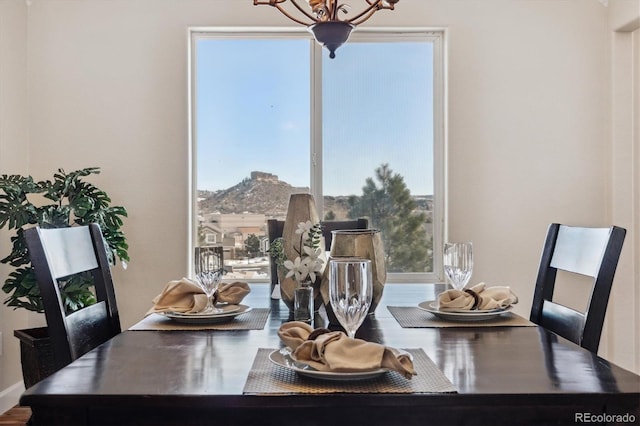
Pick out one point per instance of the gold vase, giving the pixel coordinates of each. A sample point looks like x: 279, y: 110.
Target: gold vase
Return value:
x: 363, y: 243
x: 302, y: 208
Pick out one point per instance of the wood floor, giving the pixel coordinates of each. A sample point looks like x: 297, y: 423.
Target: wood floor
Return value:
x: 16, y: 416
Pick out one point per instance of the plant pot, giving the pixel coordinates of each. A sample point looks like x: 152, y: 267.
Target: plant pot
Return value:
x: 36, y: 354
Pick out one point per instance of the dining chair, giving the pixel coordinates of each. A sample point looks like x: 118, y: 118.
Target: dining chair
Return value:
x: 336, y: 225
x: 590, y: 252
x: 275, y: 228
x: 60, y: 253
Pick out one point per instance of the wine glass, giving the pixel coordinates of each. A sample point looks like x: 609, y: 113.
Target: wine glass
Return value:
x: 350, y: 291
x: 458, y: 263
x: 208, y: 267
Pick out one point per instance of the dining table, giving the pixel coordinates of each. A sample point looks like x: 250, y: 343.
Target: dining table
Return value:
x: 499, y: 371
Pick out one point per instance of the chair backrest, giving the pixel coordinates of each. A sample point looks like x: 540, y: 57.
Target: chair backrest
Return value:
x: 59, y: 253
x: 592, y: 252
x: 336, y: 225
x: 275, y: 228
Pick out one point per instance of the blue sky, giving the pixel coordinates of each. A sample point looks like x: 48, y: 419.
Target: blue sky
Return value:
x: 253, y: 112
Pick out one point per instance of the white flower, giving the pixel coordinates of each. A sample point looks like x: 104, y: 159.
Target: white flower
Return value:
x: 298, y: 269
x: 312, y: 262
x: 312, y: 252
x: 303, y: 229
x: 308, y: 263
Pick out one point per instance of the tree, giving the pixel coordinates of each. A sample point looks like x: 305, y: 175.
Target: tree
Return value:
x: 391, y: 209
x: 252, y: 244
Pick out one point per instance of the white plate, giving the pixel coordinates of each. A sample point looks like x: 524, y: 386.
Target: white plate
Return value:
x: 229, y: 312
x: 284, y: 360
x: 224, y: 309
x: 478, y: 315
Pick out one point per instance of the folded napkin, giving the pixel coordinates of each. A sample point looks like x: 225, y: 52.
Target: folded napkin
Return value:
x: 186, y: 296
x: 477, y: 297
x: 327, y: 350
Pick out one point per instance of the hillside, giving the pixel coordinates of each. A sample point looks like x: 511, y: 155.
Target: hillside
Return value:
x: 265, y: 193
x: 261, y: 193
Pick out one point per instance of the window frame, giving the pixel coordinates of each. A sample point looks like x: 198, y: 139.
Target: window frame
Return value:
x: 435, y: 35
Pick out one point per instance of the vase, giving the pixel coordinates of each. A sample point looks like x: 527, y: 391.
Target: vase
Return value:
x: 36, y: 354
x: 303, y: 303
x: 302, y: 208
x: 363, y: 243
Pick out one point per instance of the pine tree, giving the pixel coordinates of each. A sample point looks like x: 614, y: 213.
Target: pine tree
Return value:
x: 330, y: 215
x: 391, y: 209
x: 252, y: 244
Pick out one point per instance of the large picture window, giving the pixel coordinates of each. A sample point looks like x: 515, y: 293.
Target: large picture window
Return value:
x: 272, y: 114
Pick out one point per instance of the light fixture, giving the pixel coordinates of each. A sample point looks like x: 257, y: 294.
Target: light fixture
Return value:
x: 323, y: 21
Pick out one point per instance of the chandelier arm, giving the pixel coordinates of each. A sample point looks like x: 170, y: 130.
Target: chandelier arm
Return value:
x: 333, y: 9
x: 304, y: 12
x: 361, y: 17
x: 382, y: 5
x: 268, y: 2
x: 367, y: 13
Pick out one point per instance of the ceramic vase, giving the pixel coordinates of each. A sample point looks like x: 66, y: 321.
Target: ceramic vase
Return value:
x: 302, y: 208
x: 363, y: 243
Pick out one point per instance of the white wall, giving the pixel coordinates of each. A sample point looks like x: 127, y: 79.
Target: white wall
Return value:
x: 528, y: 113
x: 625, y: 197
x: 13, y: 159
x: 624, y: 15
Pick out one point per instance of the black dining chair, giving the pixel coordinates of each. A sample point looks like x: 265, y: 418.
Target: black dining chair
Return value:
x: 62, y: 252
x: 275, y: 228
x: 336, y: 225
x: 591, y: 252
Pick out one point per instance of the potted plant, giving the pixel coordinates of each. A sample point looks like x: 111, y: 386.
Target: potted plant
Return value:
x: 66, y: 200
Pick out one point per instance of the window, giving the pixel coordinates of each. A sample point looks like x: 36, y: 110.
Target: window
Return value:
x: 271, y: 114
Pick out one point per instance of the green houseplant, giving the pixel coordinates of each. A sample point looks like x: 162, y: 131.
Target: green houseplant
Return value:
x: 66, y: 200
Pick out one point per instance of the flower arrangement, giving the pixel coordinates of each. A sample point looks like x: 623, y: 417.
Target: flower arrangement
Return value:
x: 308, y: 263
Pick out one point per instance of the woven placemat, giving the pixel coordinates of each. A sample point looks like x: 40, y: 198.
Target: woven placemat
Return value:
x: 266, y: 378
x: 255, y: 319
x: 412, y: 317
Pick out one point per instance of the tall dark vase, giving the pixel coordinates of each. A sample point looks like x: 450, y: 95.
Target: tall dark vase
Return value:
x: 36, y: 354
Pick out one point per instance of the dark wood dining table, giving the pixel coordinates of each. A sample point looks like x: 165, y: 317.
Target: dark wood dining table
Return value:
x: 502, y: 375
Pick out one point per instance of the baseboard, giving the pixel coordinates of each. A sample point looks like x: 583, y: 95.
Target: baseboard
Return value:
x: 10, y: 396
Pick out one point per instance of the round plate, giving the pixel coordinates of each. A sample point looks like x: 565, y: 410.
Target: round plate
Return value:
x: 224, y: 309
x: 229, y: 312
x: 432, y: 307
x: 285, y: 361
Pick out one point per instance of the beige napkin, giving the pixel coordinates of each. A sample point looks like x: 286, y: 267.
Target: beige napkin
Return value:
x: 480, y: 297
x: 335, y: 351
x: 186, y: 296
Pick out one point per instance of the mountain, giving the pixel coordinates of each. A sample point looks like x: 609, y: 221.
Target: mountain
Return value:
x: 265, y: 193
x: 261, y: 193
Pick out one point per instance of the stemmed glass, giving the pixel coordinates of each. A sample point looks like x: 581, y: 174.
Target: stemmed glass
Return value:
x: 208, y: 267
x: 458, y: 263
x: 350, y: 291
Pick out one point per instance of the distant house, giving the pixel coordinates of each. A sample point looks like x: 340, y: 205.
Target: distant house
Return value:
x: 231, y: 230
x: 210, y: 233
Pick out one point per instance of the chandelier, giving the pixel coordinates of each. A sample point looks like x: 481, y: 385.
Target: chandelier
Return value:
x: 323, y: 20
